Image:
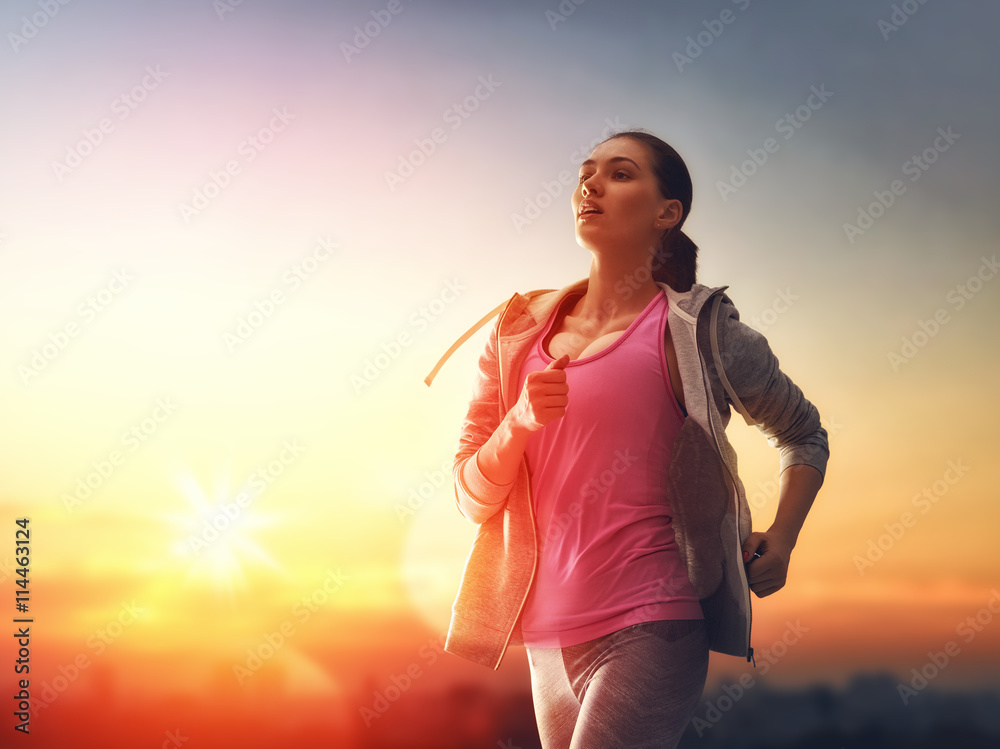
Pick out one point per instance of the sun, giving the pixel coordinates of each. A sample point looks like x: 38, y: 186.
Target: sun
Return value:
x: 216, y: 536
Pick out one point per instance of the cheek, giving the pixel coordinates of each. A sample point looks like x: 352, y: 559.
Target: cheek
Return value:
x: 638, y: 205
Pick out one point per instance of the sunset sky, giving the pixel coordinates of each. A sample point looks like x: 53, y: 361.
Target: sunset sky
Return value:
x: 235, y: 237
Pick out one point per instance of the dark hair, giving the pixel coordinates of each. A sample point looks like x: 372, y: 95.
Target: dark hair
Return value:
x: 676, y: 259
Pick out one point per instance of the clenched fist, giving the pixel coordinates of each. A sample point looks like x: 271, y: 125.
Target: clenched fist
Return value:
x: 544, y: 396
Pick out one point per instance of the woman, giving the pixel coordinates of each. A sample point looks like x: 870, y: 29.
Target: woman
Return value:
x: 614, y: 534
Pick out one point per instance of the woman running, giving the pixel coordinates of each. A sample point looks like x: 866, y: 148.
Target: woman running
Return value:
x: 614, y: 536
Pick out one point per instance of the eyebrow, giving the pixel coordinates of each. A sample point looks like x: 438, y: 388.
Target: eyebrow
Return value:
x: 612, y: 160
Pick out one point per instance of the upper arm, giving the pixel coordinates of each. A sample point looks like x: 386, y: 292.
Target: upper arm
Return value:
x: 788, y: 420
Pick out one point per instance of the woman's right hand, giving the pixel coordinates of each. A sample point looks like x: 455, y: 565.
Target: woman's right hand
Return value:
x: 544, y: 396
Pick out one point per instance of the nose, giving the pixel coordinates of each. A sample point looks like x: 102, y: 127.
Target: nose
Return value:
x: 587, y: 187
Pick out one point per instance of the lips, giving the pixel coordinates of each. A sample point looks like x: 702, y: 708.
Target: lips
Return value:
x: 588, y: 207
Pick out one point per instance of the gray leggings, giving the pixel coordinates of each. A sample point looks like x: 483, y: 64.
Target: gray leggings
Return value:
x: 637, y: 687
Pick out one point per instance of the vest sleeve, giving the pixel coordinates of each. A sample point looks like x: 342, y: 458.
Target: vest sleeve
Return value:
x: 479, y: 498
x: 782, y: 413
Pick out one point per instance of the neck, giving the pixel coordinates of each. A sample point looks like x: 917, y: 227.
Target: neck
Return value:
x: 617, y: 286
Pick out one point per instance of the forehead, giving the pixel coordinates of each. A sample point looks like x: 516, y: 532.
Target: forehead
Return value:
x: 626, y: 147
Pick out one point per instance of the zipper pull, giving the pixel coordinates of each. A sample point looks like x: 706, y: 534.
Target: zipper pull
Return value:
x: 751, y: 658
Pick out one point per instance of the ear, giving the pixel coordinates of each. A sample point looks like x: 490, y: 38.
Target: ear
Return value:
x: 670, y: 214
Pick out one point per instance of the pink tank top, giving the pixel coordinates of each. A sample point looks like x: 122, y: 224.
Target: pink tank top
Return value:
x: 607, y: 553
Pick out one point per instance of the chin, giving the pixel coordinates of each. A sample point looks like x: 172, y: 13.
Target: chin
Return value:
x: 595, y: 241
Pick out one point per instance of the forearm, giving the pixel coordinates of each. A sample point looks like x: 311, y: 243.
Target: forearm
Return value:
x: 797, y: 488
x: 499, y: 458
x: 485, y: 474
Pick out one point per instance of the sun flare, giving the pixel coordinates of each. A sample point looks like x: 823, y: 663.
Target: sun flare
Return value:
x: 217, y: 536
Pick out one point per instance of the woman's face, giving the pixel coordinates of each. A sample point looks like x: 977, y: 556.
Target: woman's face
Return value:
x: 617, y: 201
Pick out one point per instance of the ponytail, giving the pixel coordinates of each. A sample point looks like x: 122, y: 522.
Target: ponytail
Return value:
x: 676, y: 260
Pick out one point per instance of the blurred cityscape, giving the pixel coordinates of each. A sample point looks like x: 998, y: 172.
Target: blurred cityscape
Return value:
x: 867, y: 713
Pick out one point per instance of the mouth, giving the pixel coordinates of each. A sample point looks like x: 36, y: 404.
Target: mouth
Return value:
x: 588, y: 208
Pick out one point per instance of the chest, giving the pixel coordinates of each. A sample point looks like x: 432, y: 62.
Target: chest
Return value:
x: 579, y: 340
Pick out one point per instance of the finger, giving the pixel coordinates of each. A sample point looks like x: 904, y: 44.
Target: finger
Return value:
x: 759, y: 569
x: 550, y: 390
x: 554, y: 388
x: 766, y: 583
x: 751, y: 546
x: 766, y: 590
x: 553, y: 401
x: 559, y: 363
x: 765, y: 576
x: 755, y: 576
x: 551, y: 375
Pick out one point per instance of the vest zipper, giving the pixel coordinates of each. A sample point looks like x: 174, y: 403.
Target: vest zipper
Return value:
x: 725, y: 463
x: 531, y: 510
x: 534, y: 566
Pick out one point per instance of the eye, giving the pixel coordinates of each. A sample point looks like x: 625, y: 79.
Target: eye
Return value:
x: 583, y: 177
x: 622, y: 173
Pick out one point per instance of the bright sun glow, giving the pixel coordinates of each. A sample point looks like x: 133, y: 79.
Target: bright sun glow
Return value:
x: 217, y: 537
